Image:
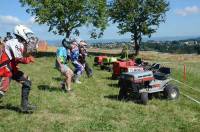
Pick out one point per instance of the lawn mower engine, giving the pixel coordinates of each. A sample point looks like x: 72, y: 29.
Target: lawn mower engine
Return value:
x: 141, y: 84
x: 124, y: 66
x: 98, y: 60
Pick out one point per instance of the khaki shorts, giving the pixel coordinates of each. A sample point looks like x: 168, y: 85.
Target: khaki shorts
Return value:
x: 64, y: 69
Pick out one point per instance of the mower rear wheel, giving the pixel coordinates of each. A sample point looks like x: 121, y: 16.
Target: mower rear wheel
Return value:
x: 144, y: 98
x: 171, y: 92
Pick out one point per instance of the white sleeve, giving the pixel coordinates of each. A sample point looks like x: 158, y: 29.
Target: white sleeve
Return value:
x: 14, y: 49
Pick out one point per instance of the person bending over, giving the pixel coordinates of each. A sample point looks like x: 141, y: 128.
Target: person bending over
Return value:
x: 61, y: 64
x: 15, y: 51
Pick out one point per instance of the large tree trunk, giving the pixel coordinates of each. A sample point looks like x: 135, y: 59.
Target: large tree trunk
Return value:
x: 68, y: 34
x: 137, y: 49
x: 137, y: 46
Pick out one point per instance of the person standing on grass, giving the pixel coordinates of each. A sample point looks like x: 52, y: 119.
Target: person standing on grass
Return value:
x: 13, y: 52
x: 74, y: 56
x: 82, y: 58
x: 61, y: 64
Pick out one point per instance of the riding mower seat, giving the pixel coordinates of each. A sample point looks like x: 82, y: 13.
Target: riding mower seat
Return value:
x: 160, y: 76
x: 162, y: 73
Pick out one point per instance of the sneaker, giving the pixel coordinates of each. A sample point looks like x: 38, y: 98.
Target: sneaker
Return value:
x: 69, y: 90
x: 1, y: 94
x: 78, y: 82
x: 29, y: 108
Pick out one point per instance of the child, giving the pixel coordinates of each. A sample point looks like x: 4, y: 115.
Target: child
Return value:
x: 74, y: 55
x: 82, y: 58
x: 61, y: 64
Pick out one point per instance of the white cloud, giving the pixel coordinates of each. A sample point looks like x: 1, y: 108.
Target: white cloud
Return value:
x: 9, y: 20
x: 31, y: 20
x: 188, y: 11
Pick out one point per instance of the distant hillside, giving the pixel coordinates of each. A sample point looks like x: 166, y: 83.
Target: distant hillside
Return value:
x: 95, y: 41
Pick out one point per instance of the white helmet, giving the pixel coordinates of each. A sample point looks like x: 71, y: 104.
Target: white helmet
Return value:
x: 28, y: 36
x: 22, y: 31
x: 82, y: 43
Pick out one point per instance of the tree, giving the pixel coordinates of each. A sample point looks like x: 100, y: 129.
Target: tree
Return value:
x: 139, y: 17
x: 64, y: 17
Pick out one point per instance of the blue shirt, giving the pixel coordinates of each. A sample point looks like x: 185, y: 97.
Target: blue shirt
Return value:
x: 62, y: 53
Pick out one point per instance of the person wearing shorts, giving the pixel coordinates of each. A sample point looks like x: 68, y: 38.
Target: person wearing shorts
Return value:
x: 61, y: 65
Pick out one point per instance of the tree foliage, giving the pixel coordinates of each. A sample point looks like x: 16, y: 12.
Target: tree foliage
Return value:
x: 139, y: 17
x: 65, y: 16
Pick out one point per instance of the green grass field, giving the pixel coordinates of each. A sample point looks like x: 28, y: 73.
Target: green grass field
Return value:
x: 93, y: 105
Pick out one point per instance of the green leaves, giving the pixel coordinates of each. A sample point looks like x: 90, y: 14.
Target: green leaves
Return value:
x: 139, y: 17
x: 66, y: 16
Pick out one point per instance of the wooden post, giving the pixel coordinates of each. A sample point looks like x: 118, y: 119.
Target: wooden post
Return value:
x: 184, y: 73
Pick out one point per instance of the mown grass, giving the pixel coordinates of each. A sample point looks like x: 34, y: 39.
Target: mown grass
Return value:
x: 93, y: 105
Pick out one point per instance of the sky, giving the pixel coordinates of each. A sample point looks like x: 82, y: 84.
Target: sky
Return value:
x: 183, y: 19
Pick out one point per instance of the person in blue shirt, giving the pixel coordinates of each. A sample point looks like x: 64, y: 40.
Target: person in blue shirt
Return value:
x: 61, y: 64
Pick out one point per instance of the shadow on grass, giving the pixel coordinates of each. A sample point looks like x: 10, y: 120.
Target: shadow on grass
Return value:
x: 10, y: 107
x: 112, y: 97
x: 115, y: 85
x: 109, y: 78
x: 48, y: 88
x: 44, y: 54
x: 115, y: 97
x: 135, y: 99
x: 57, y: 78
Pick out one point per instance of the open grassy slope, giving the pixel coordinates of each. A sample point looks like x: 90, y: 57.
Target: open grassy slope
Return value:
x: 93, y: 105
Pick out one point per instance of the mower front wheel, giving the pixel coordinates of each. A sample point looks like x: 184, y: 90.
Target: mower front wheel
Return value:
x: 144, y: 98
x: 122, y: 94
x: 109, y: 69
x: 102, y: 67
x: 114, y: 77
x: 171, y: 92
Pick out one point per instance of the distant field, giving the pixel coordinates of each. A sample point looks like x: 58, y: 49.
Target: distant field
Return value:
x: 93, y: 106
x: 147, y: 55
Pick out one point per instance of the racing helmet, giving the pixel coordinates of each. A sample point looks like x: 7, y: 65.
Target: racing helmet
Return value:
x: 82, y: 43
x: 27, y: 34
x: 66, y: 43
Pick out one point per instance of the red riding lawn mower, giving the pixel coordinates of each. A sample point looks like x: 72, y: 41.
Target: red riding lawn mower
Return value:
x: 98, y: 60
x: 121, y: 66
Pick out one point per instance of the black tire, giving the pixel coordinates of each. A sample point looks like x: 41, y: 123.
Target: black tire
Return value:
x: 102, y: 67
x: 171, y: 92
x: 119, y: 83
x: 150, y: 96
x: 109, y: 69
x: 144, y: 98
x: 114, y: 77
x: 122, y: 94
